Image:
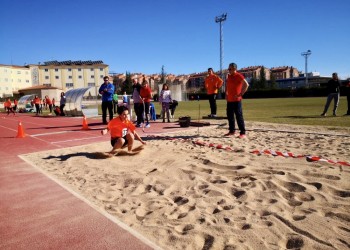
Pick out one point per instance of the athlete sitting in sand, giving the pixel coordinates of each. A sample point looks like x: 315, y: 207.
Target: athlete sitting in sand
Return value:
x: 122, y: 131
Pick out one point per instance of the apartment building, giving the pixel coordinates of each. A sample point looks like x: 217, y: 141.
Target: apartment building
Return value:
x: 254, y: 72
x: 68, y: 75
x: 13, y: 78
x: 284, y: 72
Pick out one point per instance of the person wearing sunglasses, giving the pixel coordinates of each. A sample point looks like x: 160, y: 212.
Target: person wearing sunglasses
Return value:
x: 107, y: 91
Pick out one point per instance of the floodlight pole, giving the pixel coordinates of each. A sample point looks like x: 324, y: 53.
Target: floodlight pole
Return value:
x: 306, y: 54
x: 221, y: 19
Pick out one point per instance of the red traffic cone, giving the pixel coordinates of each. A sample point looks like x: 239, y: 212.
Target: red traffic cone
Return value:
x: 85, y: 124
x: 20, y: 133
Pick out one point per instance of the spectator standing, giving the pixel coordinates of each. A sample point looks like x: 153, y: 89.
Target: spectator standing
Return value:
x: 48, y: 103
x: 63, y: 101
x: 146, y: 95
x: 115, y: 102
x: 37, y: 103
x: 165, y: 100
x: 107, y: 91
x: 15, y: 104
x: 138, y: 105
x: 53, y: 102
x: 236, y: 86
x: 212, y: 84
x: 333, y: 91
x: 125, y: 98
x: 347, y: 92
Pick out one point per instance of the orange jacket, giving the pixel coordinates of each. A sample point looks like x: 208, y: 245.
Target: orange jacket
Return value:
x: 37, y: 100
x: 234, y: 87
x: 213, y: 83
x: 7, y: 104
x: 48, y: 101
x: 119, y: 128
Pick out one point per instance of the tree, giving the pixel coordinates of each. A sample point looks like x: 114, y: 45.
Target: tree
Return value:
x: 127, y: 84
x: 163, y: 75
x: 273, y: 83
x: 262, y: 77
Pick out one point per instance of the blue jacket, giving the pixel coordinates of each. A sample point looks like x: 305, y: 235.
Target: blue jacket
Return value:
x: 107, y: 92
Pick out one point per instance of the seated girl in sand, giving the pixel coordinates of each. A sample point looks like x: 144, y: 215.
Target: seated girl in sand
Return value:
x: 122, y: 131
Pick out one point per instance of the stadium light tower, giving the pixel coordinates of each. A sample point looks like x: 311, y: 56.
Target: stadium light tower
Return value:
x: 306, y: 54
x: 221, y: 19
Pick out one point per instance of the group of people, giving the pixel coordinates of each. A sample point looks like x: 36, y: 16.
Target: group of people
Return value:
x: 49, y: 104
x: 124, y: 133
x: 141, y: 95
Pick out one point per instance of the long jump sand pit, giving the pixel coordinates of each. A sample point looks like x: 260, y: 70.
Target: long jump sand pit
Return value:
x: 197, y: 189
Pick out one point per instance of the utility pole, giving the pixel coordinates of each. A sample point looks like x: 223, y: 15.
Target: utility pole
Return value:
x: 306, y: 54
x: 221, y: 19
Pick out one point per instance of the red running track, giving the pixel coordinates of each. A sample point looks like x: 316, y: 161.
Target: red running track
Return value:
x: 38, y: 213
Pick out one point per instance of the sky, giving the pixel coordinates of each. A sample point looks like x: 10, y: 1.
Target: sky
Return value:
x: 141, y: 36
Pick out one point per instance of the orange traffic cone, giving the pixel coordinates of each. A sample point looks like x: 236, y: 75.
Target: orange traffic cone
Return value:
x: 20, y: 133
x: 85, y: 124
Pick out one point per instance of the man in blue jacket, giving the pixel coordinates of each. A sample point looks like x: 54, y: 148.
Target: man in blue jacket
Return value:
x: 107, y: 91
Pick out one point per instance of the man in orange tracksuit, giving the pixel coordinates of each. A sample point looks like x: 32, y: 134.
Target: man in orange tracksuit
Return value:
x: 236, y: 86
x: 212, y: 84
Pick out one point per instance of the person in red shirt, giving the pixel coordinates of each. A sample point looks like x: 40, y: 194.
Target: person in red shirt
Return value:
x: 236, y: 86
x: 122, y: 130
x: 15, y: 103
x: 146, y: 95
x: 37, y: 103
x: 8, y: 107
x: 49, y: 103
x: 212, y: 84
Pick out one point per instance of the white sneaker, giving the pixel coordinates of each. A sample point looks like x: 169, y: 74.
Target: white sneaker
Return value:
x: 147, y: 125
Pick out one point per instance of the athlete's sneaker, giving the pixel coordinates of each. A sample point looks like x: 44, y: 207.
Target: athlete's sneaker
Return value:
x: 242, y: 136
x: 138, y: 126
x: 323, y: 114
x: 147, y: 125
x: 230, y: 134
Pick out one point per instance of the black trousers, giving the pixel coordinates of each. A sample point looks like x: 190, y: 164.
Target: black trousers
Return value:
x: 138, y: 107
x: 107, y: 105
x: 212, y: 102
x: 235, y: 109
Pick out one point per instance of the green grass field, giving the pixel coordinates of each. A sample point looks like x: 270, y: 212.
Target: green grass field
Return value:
x: 299, y: 111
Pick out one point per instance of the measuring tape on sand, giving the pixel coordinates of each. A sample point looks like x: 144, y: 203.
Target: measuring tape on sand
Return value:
x: 257, y: 152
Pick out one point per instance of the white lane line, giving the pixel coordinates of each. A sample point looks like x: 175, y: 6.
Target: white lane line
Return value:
x: 53, y: 133
x: 80, y: 139
x: 100, y: 210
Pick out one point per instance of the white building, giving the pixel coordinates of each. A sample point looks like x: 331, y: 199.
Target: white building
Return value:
x: 13, y: 78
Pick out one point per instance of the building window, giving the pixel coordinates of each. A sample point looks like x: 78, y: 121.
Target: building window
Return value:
x: 69, y: 85
x: 69, y: 69
x: 69, y: 77
x: 57, y: 77
x: 92, y: 76
x: 27, y: 80
x: 56, y: 70
x: 91, y: 69
x: 101, y: 69
x: 101, y: 76
x: 46, y: 70
x: 46, y: 77
x: 80, y: 77
x: 79, y: 69
x: 19, y: 80
x: 18, y: 72
x: 91, y: 84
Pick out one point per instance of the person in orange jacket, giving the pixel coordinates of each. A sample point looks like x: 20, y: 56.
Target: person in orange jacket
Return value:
x: 49, y: 103
x: 37, y: 103
x: 122, y: 130
x: 212, y: 84
x: 8, y: 107
x: 15, y: 103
